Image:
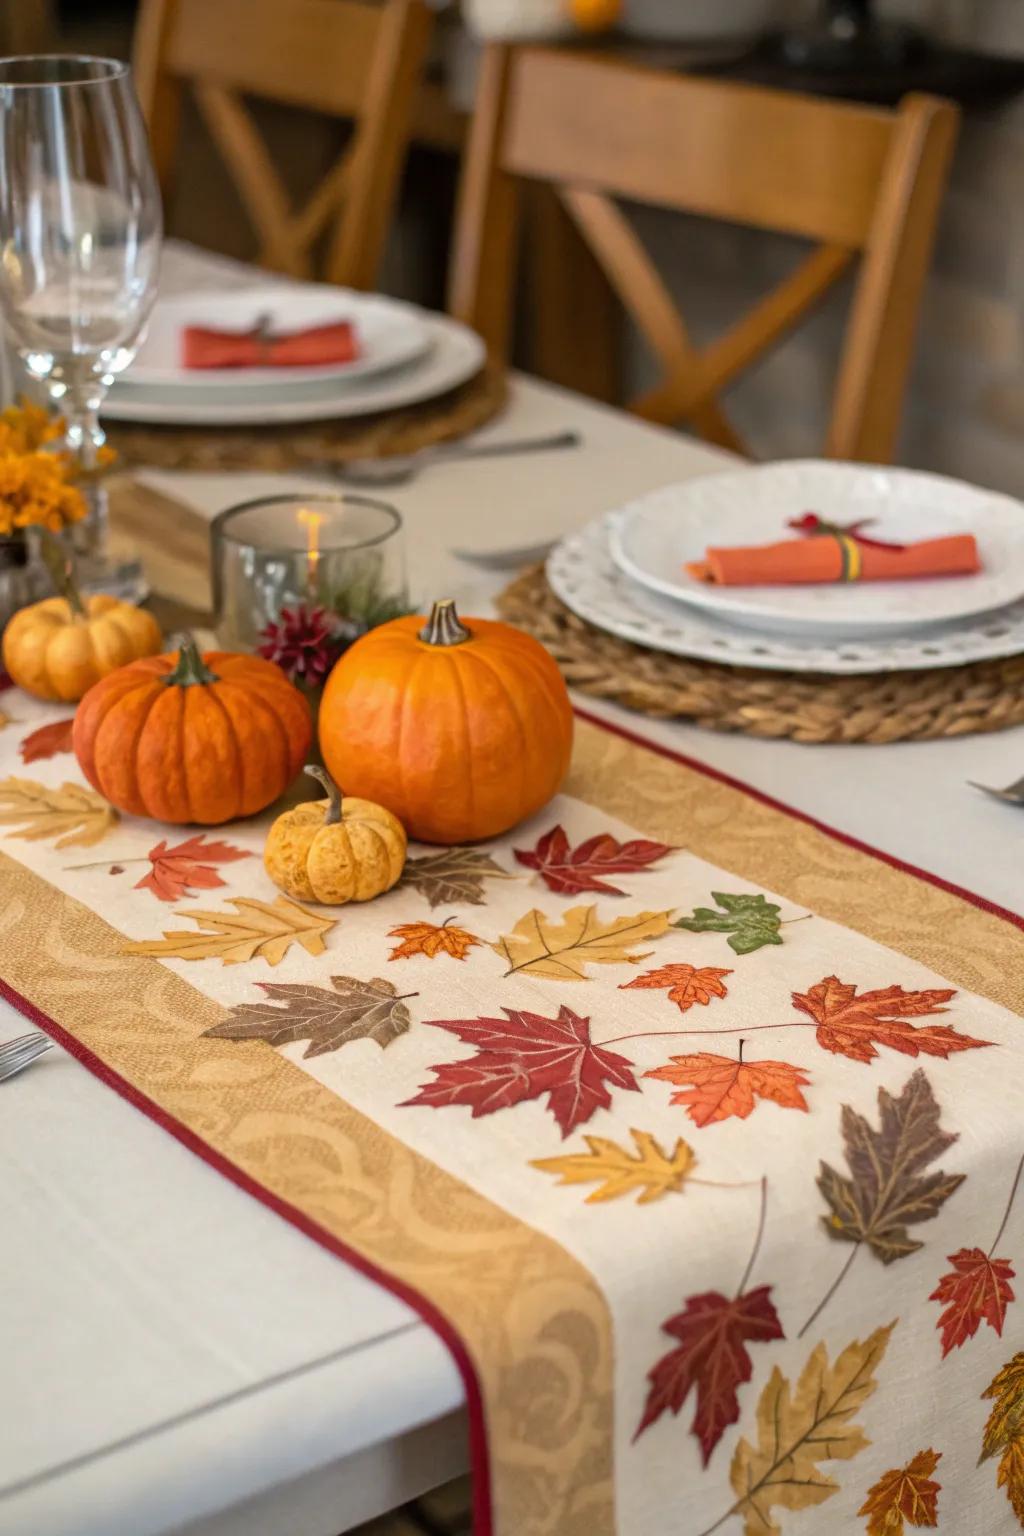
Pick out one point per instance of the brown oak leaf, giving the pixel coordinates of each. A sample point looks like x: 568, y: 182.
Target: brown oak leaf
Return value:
x: 572, y: 870
x: 431, y: 939
x: 852, y: 1026
x: 453, y: 876
x: 887, y: 1189
x: 978, y: 1291
x: 255, y: 928
x: 523, y: 1056
x: 47, y: 741
x: 187, y: 867
x: 713, y: 1332
x: 905, y: 1496
x: 1004, y: 1431
x: 687, y: 984
x: 355, y: 1010
x: 720, y: 1087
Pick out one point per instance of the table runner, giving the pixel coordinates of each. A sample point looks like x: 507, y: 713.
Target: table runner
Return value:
x: 692, y: 1128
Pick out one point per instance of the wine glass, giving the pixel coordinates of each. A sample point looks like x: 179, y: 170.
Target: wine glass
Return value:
x: 80, y: 231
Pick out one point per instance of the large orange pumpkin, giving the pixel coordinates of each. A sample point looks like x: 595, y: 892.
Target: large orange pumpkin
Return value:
x: 190, y: 738
x: 461, y: 730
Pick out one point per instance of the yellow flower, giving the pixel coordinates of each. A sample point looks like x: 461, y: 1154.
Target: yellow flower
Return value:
x: 34, y: 492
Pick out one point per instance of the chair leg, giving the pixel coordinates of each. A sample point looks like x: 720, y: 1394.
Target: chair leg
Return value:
x: 574, y: 323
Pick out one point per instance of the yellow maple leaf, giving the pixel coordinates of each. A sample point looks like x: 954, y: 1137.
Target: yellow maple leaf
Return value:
x: 260, y: 928
x: 799, y: 1427
x: 77, y: 817
x: 650, y: 1170
x: 1004, y: 1431
x: 561, y: 948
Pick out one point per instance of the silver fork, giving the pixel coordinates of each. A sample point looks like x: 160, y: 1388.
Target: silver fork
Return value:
x: 399, y: 469
x: 16, y: 1055
x: 1013, y: 794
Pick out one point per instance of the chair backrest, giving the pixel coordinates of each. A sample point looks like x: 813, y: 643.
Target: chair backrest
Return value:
x: 345, y: 58
x: 864, y: 183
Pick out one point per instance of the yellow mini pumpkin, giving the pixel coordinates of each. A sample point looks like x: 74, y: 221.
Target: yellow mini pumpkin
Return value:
x: 335, y: 850
x: 59, y: 648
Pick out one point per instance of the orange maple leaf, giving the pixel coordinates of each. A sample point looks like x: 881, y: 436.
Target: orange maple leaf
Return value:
x: 720, y: 1087
x: 686, y: 983
x: 431, y: 939
x: 906, y: 1494
x: 853, y: 1026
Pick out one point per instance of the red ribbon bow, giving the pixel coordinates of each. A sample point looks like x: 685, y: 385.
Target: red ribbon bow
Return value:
x: 811, y: 524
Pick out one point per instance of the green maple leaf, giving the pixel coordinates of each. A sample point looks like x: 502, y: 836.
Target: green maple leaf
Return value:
x: 750, y: 921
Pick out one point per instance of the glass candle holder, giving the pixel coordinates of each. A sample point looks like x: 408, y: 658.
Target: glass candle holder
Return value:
x: 345, y: 554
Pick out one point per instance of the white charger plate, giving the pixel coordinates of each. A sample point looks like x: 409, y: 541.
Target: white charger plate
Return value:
x: 390, y: 334
x: 586, y: 578
x: 652, y: 539
x: 454, y: 354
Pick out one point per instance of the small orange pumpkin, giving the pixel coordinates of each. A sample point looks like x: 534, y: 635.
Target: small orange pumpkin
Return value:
x: 190, y: 738
x: 462, y: 730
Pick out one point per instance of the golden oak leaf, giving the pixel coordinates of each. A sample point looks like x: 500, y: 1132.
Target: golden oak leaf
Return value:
x: 722, y: 1087
x: 799, y: 1427
x: 266, y: 929
x: 905, y: 1495
x: 431, y: 939
x: 687, y: 984
x: 74, y: 815
x: 1004, y: 1431
x: 650, y: 1170
x: 561, y: 948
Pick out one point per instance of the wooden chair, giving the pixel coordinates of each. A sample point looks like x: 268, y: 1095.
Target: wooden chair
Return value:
x: 864, y: 183
x: 345, y: 58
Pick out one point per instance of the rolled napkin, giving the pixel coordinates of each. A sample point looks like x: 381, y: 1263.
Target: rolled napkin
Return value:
x: 316, y: 347
x: 835, y: 557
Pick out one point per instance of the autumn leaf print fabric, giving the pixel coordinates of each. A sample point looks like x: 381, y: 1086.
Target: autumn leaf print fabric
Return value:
x: 791, y: 1157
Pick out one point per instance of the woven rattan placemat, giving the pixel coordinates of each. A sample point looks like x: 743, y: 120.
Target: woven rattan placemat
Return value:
x: 273, y: 448
x: 809, y: 707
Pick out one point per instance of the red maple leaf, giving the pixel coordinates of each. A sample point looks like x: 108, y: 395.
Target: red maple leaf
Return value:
x: 47, y: 741
x: 713, y: 1332
x: 572, y: 870
x: 977, y: 1291
x: 523, y: 1056
x: 852, y: 1026
x: 183, y: 870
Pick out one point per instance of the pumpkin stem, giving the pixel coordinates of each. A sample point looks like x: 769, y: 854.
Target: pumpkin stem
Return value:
x: 62, y: 571
x: 191, y: 668
x: 333, y: 793
x: 444, y: 627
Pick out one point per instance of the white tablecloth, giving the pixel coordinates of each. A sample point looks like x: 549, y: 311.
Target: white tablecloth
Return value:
x: 173, y: 1357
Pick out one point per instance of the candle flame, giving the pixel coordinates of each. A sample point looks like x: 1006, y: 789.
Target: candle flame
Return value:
x: 311, y: 521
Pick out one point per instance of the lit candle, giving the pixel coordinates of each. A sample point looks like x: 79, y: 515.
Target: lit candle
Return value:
x: 311, y: 521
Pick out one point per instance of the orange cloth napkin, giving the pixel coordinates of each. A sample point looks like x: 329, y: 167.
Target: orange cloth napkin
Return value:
x: 835, y: 557
x: 202, y: 347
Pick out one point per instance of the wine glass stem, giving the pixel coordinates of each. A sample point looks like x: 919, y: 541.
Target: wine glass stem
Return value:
x: 84, y: 437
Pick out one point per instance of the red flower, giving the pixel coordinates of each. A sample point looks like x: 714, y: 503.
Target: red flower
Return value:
x: 305, y: 644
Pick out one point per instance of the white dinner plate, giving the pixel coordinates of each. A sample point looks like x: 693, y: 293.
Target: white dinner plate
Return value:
x: 454, y: 354
x: 390, y: 334
x: 652, y: 539
x: 584, y: 575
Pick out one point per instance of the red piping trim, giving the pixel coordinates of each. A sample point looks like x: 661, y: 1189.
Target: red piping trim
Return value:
x: 482, y: 1516
x: 780, y: 805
